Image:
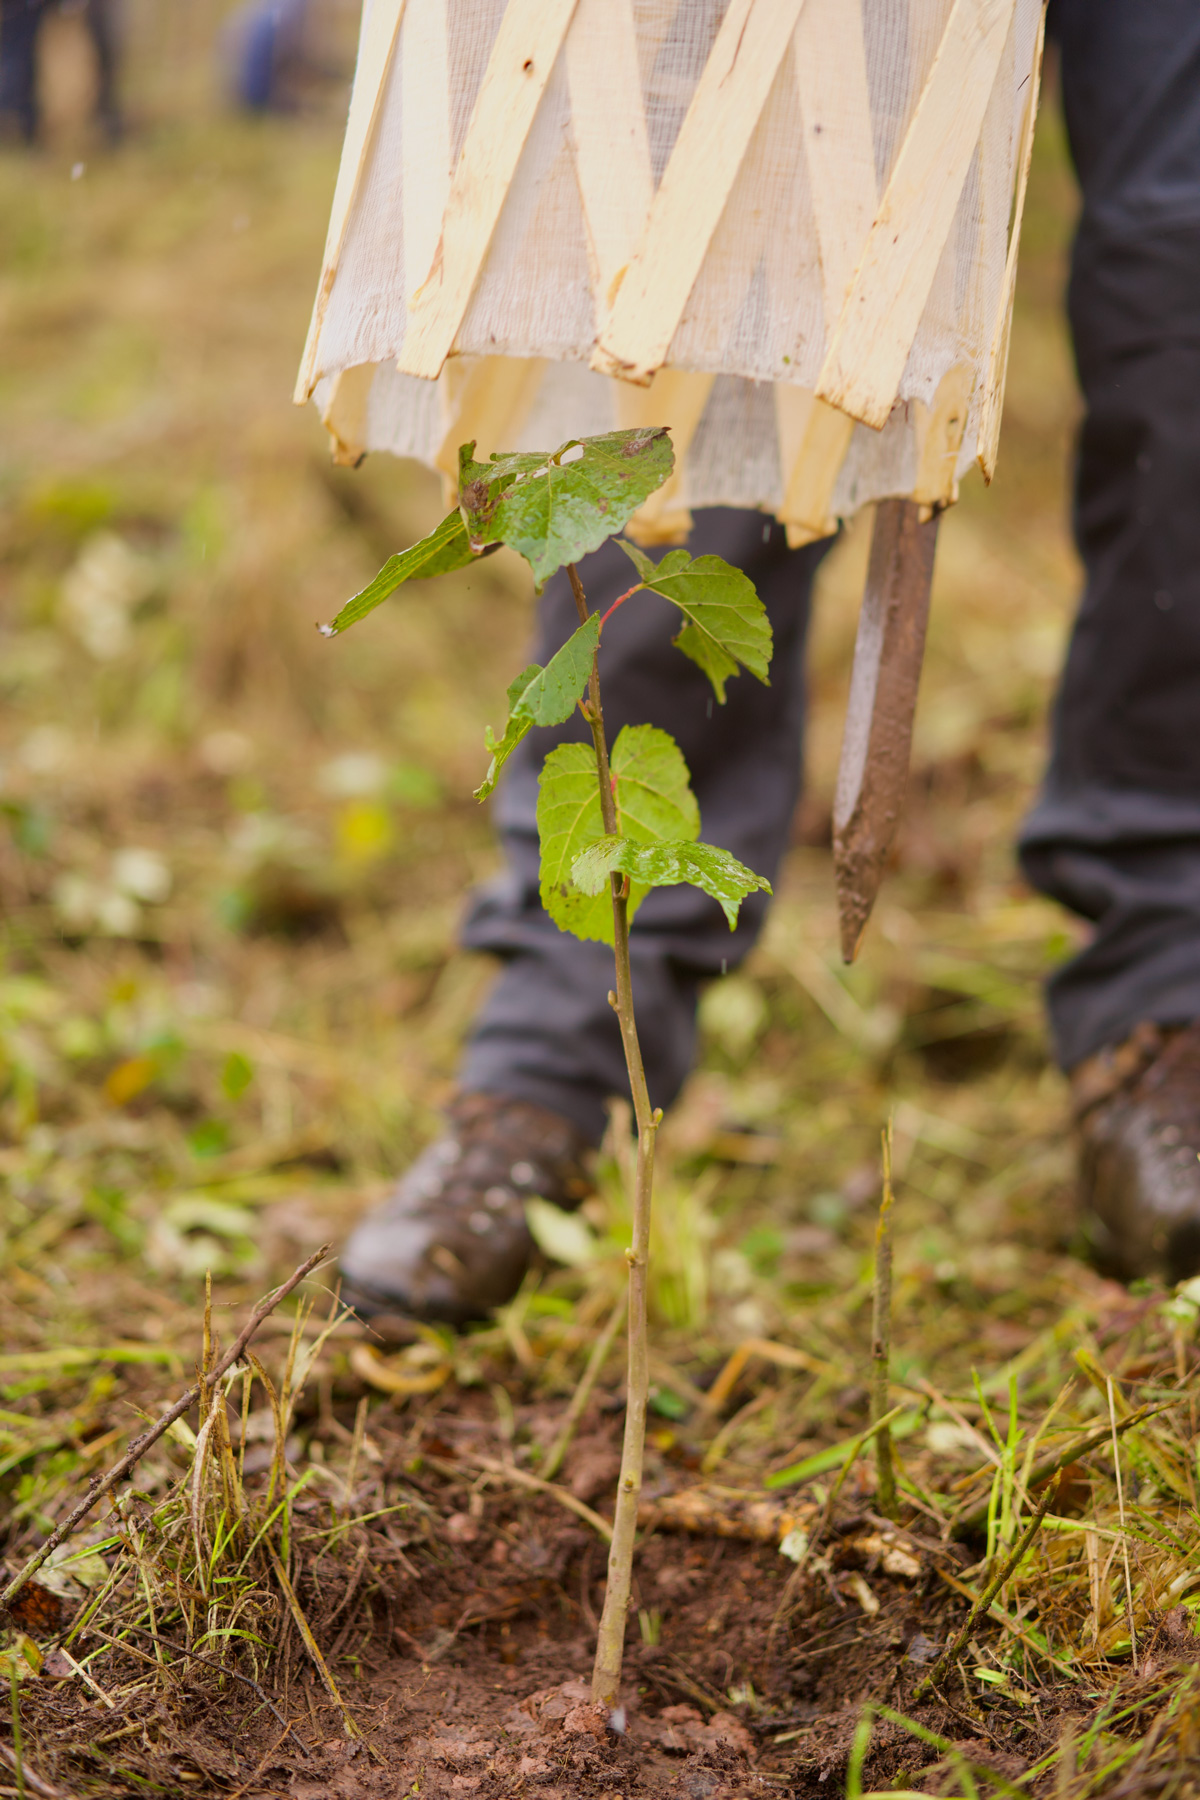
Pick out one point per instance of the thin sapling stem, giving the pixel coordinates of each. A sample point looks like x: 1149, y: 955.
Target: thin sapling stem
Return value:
x: 610, y: 1643
x: 881, y: 1339
x: 554, y: 508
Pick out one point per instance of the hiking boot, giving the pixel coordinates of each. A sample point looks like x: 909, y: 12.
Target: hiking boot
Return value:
x: 1137, y: 1110
x: 450, y: 1242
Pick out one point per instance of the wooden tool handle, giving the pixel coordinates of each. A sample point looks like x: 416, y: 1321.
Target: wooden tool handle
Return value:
x: 888, y: 652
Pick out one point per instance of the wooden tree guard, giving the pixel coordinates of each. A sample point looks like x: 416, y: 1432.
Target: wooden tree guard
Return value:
x: 562, y: 216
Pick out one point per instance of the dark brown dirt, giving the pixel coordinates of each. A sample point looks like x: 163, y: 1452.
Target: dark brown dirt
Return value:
x: 460, y: 1628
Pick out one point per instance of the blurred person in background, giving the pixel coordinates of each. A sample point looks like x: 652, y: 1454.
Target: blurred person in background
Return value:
x: 21, y: 24
x: 271, y: 55
x: 1115, y: 835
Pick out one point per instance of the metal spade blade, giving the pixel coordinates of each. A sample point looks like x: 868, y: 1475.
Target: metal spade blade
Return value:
x: 888, y: 651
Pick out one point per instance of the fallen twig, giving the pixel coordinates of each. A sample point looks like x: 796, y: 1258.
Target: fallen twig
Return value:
x: 102, y: 1485
x: 582, y: 1394
x: 25, y: 1774
x: 521, y: 1478
x: 722, y: 1512
x: 310, y: 1643
x: 881, y: 1340
x: 1050, y: 1466
x: 992, y: 1589
x: 785, y: 1356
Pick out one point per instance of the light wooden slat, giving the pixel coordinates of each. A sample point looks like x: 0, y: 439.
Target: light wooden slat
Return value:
x: 813, y: 441
x: 677, y: 398
x: 608, y: 127
x: 937, y: 436
x: 997, y: 364
x: 703, y: 165
x: 835, y: 104
x: 345, y: 414
x: 523, y: 56
x: 835, y: 108
x: 376, y: 44
x: 486, y: 398
x: 425, y: 144
x: 878, y: 322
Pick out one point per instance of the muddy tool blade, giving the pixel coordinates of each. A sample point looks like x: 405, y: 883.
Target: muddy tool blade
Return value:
x: 873, y: 772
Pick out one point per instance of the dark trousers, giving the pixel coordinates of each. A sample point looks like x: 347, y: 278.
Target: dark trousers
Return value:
x: 1116, y: 833
x: 20, y: 22
x: 547, y: 1032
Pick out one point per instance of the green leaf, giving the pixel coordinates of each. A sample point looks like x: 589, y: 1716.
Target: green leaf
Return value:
x: 568, y: 818
x: 552, y: 694
x: 543, y: 697
x: 667, y: 865
x: 515, y: 727
x: 652, y: 787
x: 654, y: 802
x: 725, y: 622
x: 554, y: 508
x: 445, y: 549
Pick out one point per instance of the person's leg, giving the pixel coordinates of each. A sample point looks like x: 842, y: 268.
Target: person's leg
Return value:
x: 103, y: 26
x: 1116, y: 833
x: 19, y: 21
x: 545, y: 1055
x: 547, y: 1033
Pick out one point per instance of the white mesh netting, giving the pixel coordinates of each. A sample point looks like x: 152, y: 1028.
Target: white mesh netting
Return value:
x: 792, y: 219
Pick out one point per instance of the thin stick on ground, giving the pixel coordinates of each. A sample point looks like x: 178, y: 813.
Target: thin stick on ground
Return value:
x: 32, y: 1783
x: 610, y: 1642
x: 104, y: 1484
x: 583, y: 1393
x: 965, y: 1524
x: 1007, y: 1570
x: 881, y: 1339
x: 14, y: 1691
x: 1116, y: 1450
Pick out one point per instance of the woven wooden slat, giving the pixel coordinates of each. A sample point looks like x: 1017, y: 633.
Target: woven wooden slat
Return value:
x: 376, y: 44
x: 831, y: 77
x: 813, y: 440
x: 608, y: 125
x: 523, y: 56
x: 997, y: 366
x: 871, y: 341
x: 676, y: 398
x: 425, y: 135
x: 703, y: 165
x: 344, y: 414
x: 938, y: 434
x: 487, y: 399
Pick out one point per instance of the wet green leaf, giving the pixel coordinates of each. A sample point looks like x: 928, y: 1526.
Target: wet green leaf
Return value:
x: 725, y: 622
x: 654, y: 802
x: 444, y: 550
x: 553, y: 508
x: 703, y: 866
x: 543, y: 697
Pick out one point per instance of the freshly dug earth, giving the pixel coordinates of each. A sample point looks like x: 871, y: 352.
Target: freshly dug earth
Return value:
x: 459, y: 1629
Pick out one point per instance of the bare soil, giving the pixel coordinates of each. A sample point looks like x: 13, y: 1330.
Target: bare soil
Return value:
x: 459, y: 1630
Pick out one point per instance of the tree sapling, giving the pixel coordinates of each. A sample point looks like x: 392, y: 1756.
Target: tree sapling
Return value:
x: 615, y: 821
